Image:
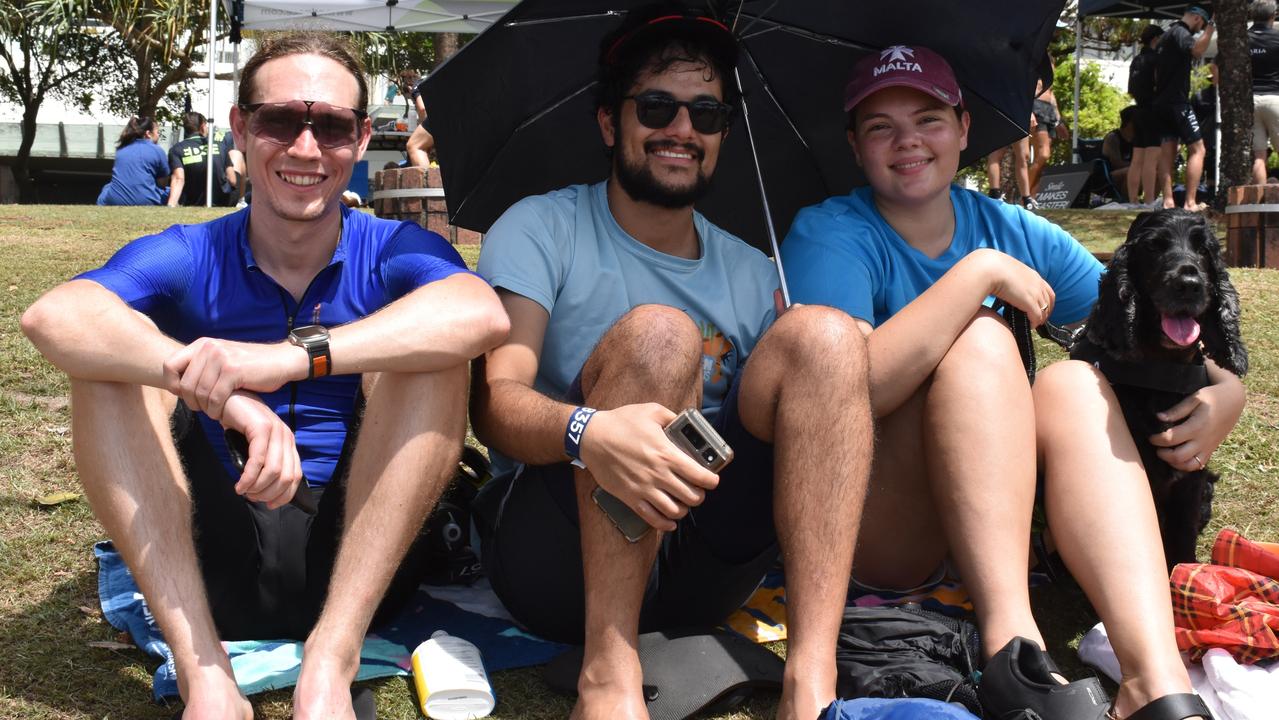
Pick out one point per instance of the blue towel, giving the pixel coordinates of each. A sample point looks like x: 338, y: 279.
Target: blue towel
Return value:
x: 897, y: 709
x: 261, y: 665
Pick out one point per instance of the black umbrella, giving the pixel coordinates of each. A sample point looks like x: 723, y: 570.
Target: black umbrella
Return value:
x: 513, y: 112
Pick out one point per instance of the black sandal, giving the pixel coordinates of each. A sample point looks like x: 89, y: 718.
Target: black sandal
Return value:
x: 1178, y: 706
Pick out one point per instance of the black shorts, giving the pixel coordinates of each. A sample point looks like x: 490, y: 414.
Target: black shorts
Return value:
x: 266, y: 572
x: 1145, y: 128
x: 1177, y: 122
x: 1046, y: 117
x: 705, y: 569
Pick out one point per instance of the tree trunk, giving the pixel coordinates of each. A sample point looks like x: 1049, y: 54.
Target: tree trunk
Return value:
x: 22, y: 163
x: 445, y: 45
x: 1234, y: 93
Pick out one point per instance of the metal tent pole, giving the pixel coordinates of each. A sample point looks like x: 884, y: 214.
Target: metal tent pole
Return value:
x: 1074, y: 125
x: 208, y: 139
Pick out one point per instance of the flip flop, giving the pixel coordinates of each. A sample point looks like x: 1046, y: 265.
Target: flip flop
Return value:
x: 686, y: 672
x: 1178, y: 706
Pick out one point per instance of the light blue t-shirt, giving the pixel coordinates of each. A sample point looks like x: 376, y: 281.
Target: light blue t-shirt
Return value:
x: 842, y: 253
x: 566, y: 252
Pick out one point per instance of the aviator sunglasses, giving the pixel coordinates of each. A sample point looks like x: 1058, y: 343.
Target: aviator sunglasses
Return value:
x: 282, y: 123
x: 656, y: 110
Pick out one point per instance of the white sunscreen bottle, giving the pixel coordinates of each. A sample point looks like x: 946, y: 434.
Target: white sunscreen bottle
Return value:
x: 450, y: 679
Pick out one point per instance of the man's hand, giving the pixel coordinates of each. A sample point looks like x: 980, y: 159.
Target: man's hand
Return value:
x: 272, y: 469
x: 206, y: 372
x: 629, y: 455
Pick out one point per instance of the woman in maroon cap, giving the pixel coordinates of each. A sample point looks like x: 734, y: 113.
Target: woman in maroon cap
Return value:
x: 914, y: 258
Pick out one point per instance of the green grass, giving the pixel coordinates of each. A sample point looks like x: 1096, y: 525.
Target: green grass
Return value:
x: 48, y: 591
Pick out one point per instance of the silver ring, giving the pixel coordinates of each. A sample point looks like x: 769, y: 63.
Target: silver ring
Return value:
x: 1043, y: 308
x: 1201, y: 462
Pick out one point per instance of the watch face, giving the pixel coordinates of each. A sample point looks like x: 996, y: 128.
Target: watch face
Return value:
x: 308, y: 333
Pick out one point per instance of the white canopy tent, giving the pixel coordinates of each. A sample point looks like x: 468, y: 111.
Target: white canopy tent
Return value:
x: 460, y: 16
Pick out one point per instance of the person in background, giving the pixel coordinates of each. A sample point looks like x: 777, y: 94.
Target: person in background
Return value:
x: 1171, y: 103
x: 1117, y: 147
x: 1263, y: 46
x: 229, y: 168
x: 1141, y: 186
x: 1021, y: 174
x: 420, y: 143
x: 1045, y: 122
x: 140, y: 168
x: 188, y: 163
x: 1204, y: 104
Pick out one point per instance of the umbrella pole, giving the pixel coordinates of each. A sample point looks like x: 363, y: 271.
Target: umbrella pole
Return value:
x: 763, y: 196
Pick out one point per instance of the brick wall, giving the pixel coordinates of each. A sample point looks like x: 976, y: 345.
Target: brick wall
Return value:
x: 429, y: 212
x: 1252, y: 238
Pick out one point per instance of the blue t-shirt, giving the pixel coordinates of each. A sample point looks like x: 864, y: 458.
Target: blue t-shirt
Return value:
x: 566, y: 252
x: 202, y: 281
x: 133, y: 175
x: 844, y: 254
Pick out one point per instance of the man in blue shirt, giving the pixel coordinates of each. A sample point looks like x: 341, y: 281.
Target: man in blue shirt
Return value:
x: 623, y: 298
x: 291, y: 322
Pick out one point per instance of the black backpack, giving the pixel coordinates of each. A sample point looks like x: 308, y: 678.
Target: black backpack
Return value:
x: 908, y: 652
x: 1141, y: 78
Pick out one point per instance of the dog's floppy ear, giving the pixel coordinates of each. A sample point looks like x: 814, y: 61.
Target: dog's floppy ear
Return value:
x: 1221, y: 338
x: 1112, y: 326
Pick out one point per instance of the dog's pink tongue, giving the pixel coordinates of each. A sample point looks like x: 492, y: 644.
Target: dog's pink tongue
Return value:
x: 1181, y: 330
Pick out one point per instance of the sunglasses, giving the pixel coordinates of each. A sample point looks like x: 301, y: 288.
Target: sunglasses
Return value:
x: 657, y: 110
x: 282, y: 123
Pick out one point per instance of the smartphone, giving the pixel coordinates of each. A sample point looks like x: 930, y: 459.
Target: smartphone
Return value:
x: 238, y: 448
x: 693, y: 434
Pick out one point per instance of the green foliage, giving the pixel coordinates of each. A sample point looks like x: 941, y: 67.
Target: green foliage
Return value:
x: 1099, y: 103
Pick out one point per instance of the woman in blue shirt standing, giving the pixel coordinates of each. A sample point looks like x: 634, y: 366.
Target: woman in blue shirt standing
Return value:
x: 140, y: 166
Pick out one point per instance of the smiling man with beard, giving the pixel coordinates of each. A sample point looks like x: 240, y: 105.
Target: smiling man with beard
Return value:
x: 627, y: 306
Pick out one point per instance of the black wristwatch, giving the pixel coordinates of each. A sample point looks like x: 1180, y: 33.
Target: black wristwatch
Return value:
x: 315, y: 340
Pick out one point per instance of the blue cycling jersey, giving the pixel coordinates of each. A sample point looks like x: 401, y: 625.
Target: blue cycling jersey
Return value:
x: 201, y: 280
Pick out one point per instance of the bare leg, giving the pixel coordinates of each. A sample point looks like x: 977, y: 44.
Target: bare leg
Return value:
x: 653, y: 354
x: 418, y: 147
x: 963, y: 445
x: 1167, y: 154
x: 993, y: 171
x: 407, y: 452
x: 805, y: 390
x: 1098, y: 499
x: 1043, y: 153
x: 1132, y: 184
x: 1149, y: 174
x: 1259, y: 168
x: 1021, y: 173
x: 1194, y: 171
x: 134, y: 482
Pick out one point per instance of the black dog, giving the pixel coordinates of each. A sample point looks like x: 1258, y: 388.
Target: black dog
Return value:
x: 1164, y: 304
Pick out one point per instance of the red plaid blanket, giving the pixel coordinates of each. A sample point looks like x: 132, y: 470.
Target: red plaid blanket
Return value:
x: 1232, y: 603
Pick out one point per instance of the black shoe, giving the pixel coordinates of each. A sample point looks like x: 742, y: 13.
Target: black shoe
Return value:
x: 1018, y: 684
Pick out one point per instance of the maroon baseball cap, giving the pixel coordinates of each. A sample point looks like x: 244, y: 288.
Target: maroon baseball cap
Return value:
x: 902, y: 66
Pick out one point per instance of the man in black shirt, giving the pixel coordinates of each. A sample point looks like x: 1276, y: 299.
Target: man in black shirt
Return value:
x: 188, y: 163
x: 1263, y: 45
x: 1145, y: 141
x: 1173, y: 57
